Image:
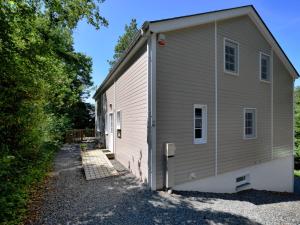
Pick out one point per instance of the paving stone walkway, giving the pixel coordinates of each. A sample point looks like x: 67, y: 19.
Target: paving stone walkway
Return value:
x: 96, y: 165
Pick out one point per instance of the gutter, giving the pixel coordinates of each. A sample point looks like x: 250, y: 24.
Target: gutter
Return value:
x: 138, y: 40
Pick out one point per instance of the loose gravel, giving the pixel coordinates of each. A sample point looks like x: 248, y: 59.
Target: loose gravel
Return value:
x: 123, y: 200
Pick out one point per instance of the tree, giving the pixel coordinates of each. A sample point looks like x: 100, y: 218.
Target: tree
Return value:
x: 42, y: 79
x: 124, y: 41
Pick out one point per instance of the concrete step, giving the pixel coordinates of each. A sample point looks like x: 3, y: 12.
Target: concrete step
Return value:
x: 108, y: 153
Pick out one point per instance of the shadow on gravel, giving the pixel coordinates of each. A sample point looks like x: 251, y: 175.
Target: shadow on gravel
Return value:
x: 70, y: 199
x: 136, y: 205
x: 253, y: 196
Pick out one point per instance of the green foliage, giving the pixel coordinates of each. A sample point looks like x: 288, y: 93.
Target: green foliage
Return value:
x: 297, y: 173
x: 297, y: 122
x: 83, y: 116
x: 42, y: 81
x: 124, y: 41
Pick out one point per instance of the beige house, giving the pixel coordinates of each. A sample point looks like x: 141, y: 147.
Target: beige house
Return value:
x: 215, y: 87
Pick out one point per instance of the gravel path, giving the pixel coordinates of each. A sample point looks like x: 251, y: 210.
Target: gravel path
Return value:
x: 123, y: 200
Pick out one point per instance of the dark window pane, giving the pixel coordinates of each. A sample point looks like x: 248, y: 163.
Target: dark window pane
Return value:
x: 227, y: 49
x: 198, y: 123
x: 198, y: 112
x: 248, y: 123
x: 198, y: 133
x: 249, y: 131
x: 248, y: 116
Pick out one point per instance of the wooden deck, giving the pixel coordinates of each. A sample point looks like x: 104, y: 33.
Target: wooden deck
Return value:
x: 96, y: 165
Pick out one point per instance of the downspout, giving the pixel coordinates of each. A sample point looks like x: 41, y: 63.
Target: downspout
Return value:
x: 151, y: 49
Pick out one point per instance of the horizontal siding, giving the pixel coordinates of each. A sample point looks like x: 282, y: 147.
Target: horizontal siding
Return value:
x: 283, y: 111
x: 185, y: 76
x: 237, y: 92
x: 132, y: 100
x: 109, y: 102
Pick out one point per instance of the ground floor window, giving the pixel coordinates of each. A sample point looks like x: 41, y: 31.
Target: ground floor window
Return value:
x: 249, y: 123
x: 200, y: 124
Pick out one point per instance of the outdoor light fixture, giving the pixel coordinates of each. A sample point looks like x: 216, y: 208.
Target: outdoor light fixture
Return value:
x: 161, y: 39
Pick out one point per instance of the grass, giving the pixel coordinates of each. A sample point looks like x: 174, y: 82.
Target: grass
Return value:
x: 297, y: 173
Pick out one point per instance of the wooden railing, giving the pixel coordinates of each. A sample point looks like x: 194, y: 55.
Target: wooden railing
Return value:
x: 79, y: 135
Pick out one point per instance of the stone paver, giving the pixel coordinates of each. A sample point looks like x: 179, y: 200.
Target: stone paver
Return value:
x: 96, y: 165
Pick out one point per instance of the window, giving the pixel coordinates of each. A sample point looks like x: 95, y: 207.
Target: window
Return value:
x: 118, y: 124
x: 106, y: 124
x: 249, y: 123
x: 200, y: 124
x: 231, y: 53
x: 264, y: 67
x: 111, y: 120
x: 118, y: 120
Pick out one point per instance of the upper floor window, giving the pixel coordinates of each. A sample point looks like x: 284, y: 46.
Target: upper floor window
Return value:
x: 200, y: 124
x: 265, y: 67
x: 231, y: 56
x: 249, y: 123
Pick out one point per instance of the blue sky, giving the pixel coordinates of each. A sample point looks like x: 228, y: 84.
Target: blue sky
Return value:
x: 282, y: 18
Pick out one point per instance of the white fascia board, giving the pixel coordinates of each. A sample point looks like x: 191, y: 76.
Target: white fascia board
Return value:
x: 179, y: 23
x: 190, y: 21
x: 264, y: 31
x: 110, y: 78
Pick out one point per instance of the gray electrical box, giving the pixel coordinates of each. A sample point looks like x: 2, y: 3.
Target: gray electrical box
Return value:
x: 170, y: 149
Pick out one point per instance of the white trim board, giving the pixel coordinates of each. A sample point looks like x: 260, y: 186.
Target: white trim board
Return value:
x: 152, y: 70
x: 238, y: 57
x: 255, y: 123
x: 194, y: 20
x: 216, y: 98
x: 270, y: 65
x: 204, y: 18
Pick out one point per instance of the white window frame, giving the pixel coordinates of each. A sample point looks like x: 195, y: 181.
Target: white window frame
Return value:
x: 106, y: 127
x: 238, y: 57
x: 119, y: 120
x: 247, y: 137
x: 269, y: 72
x: 202, y: 140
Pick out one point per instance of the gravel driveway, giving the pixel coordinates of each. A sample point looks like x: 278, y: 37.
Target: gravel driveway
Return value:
x: 123, y: 200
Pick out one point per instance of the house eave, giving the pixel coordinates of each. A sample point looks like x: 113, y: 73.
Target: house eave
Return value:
x: 135, y: 45
x: 177, y: 23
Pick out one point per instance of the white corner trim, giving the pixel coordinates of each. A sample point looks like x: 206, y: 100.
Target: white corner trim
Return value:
x: 190, y: 21
x: 238, y: 57
x: 259, y: 74
x: 294, y: 147
x: 114, y: 115
x: 268, y: 36
x: 216, y: 98
x: 152, y: 70
x: 272, y: 98
x: 244, y: 135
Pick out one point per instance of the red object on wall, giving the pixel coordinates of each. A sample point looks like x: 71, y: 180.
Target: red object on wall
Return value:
x: 162, y: 40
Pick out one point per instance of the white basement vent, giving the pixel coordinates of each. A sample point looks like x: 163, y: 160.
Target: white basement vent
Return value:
x: 242, y: 182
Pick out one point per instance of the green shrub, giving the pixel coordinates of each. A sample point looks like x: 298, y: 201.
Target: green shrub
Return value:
x: 19, y: 176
